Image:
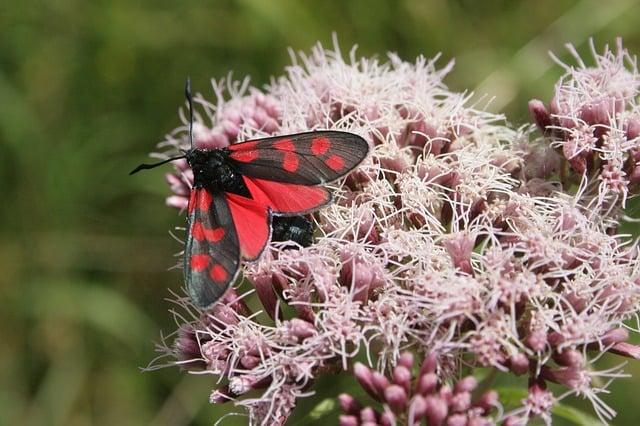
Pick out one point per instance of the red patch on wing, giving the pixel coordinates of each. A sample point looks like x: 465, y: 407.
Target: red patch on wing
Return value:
x: 218, y: 273
x: 286, y: 197
x: 290, y: 162
x: 197, y: 231
x: 284, y: 145
x: 192, y: 201
x: 214, y: 235
x: 335, y: 163
x: 244, y: 156
x: 243, y: 146
x: 204, y: 200
x: 252, y: 224
x: 320, y: 145
x: 199, y: 262
x: 244, y: 152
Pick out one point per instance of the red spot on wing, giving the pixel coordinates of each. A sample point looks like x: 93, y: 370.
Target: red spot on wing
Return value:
x: 286, y: 197
x: 335, y: 163
x: 243, y: 146
x: 320, y: 145
x: 197, y: 231
x: 244, y: 156
x: 214, y: 235
x: 204, y: 200
x: 252, y: 224
x: 192, y: 201
x: 199, y: 262
x: 284, y: 145
x: 244, y: 152
x: 290, y: 162
x: 200, y: 233
x: 218, y: 273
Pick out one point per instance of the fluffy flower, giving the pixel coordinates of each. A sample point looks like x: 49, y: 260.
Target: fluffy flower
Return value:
x: 451, y: 239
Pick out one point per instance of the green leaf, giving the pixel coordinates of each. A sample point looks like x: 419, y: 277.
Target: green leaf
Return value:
x: 323, y: 408
x: 575, y: 415
x: 511, y: 396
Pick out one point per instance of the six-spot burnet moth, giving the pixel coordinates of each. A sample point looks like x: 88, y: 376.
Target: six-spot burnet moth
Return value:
x: 238, y: 190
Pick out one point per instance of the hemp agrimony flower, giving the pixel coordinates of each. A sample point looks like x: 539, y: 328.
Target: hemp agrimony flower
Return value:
x: 462, y: 246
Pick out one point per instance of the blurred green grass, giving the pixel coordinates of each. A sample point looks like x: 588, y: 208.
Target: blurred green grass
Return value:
x: 88, y: 88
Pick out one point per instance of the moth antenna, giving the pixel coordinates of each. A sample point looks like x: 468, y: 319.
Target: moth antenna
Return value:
x: 187, y: 94
x: 151, y: 166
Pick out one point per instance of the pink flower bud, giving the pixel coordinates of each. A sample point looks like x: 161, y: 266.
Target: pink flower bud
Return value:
x: 429, y: 364
x: 220, y: 395
x: 388, y: 419
x: 436, y: 411
x: 569, y: 358
x: 446, y: 393
x: 417, y: 408
x: 457, y: 420
x: 348, y: 420
x: 615, y: 335
x: 368, y: 414
x: 539, y: 114
x: 632, y: 128
x: 626, y: 349
x: 460, y: 246
x: 537, y: 341
x: 487, y: 401
x: 573, y: 377
x: 426, y: 384
x: 460, y: 402
x: 300, y: 329
x: 396, y: 397
x: 519, y: 363
x: 249, y: 361
x: 406, y: 360
x: 264, y: 288
x: 402, y: 377
x: 365, y: 378
x: 187, y: 348
x: 348, y: 404
x: 467, y: 384
x: 380, y: 382
x: 177, y: 202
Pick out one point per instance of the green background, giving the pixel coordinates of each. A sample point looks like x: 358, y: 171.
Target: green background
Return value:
x: 86, y: 90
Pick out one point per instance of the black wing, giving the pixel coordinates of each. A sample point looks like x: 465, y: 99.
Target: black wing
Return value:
x: 212, y: 253
x: 310, y: 158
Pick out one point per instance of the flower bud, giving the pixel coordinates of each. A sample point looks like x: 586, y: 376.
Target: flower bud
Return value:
x: 539, y: 114
x: 396, y: 397
x: 436, y: 411
x: 348, y: 404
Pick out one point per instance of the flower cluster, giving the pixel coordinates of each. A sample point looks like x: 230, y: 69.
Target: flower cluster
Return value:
x: 594, y: 122
x: 452, y: 239
x: 409, y: 402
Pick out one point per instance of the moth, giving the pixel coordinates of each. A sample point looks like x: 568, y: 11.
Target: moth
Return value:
x: 238, y: 190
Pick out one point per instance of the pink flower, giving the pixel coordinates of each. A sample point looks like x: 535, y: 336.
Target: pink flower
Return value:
x: 492, y: 246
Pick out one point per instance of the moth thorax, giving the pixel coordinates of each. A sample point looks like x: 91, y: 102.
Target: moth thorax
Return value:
x: 205, y: 165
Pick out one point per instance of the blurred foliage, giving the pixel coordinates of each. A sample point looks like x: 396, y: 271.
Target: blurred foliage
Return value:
x: 87, y: 88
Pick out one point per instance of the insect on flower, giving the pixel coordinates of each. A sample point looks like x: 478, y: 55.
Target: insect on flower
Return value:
x: 237, y: 190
